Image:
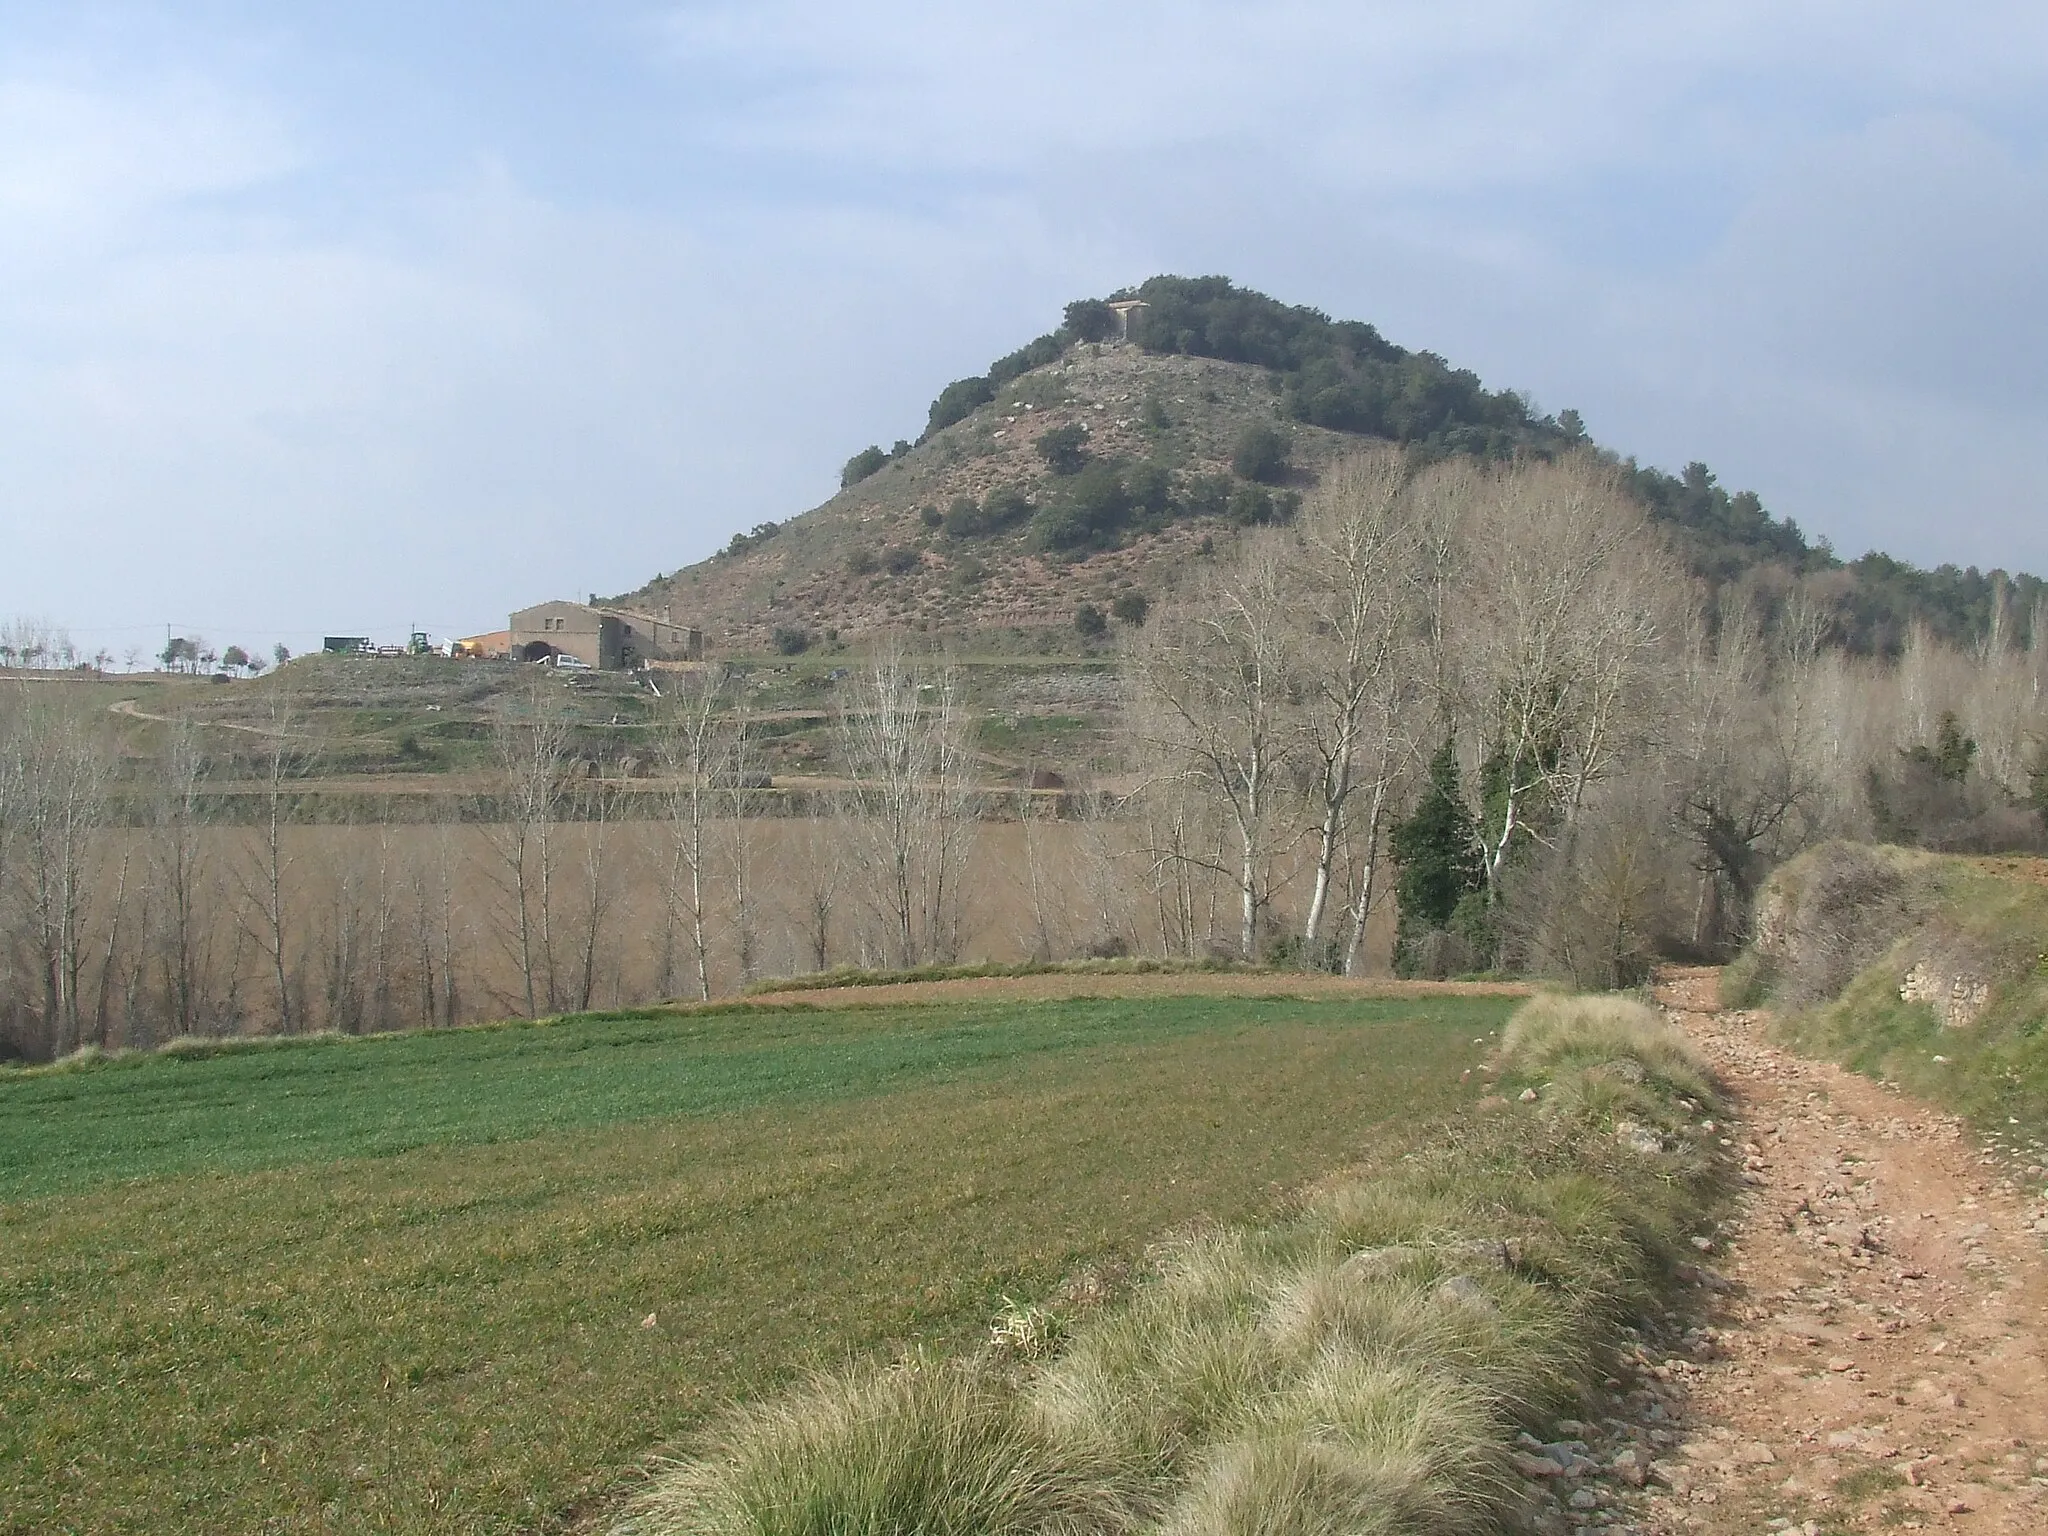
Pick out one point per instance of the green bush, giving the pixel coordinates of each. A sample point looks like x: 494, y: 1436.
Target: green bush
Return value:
x: 1090, y: 512
x: 1005, y: 506
x: 1250, y: 506
x: 1064, y: 448
x: 1436, y: 853
x: 861, y: 465
x: 791, y: 642
x: 957, y: 401
x: 1090, y: 320
x: 1130, y: 607
x: 1208, y: 496
x: 1089, y: 622
x: 1260, y: 454
x: 1034, y: 354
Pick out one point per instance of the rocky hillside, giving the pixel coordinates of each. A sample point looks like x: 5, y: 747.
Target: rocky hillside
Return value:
x: 1090, y: 470
x: 898, y: 549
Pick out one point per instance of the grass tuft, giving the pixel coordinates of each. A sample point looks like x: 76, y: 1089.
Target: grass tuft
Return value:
x: 1745, y: 981
x: 1555, y: 1032
x: 939, y: 1449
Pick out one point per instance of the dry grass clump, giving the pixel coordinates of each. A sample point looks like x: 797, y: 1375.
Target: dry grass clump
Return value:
x: 1357, y: 1445
x: 934, y: 1448
x: 1357, y: 1370
x: 1555, y: 1031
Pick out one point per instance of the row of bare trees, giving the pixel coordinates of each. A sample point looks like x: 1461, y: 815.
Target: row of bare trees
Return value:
x: 182, y: 892
x: 129, y: 915
x: 1633, y: 754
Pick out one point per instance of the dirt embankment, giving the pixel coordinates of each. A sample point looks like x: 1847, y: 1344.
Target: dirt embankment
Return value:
x: 1059, y: 984
x: 1875, y: 1356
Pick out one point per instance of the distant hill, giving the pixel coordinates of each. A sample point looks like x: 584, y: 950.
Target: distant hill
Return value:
x: 1087, y: 469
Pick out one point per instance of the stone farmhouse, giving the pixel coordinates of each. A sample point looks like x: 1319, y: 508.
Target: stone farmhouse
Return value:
x: 610, y: 639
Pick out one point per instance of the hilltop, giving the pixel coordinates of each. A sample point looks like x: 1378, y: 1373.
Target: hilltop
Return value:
x: 1098, y: 462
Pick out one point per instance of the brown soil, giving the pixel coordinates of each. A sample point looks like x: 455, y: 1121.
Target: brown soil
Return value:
x: 1055, y: 984
x: 2014, y: 867
x: 1875, y: 1357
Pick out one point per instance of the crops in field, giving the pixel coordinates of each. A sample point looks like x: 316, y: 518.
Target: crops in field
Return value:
x: 466, y: 1281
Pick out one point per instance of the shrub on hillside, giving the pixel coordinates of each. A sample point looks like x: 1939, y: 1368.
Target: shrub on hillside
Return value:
x: 1034, y: 354
x: 1130, y: 607
x: 1260, y: 454
x: 791, y: 642
x: 1826, y: 917
x: 1064, y: 448
x: 957, y: 401
x: 1090, y: 320
x: 1004, y: 507
x: 1208, y: 496
x: 1088, y: 513
x: 1089, y: 622
x: 861, y: 465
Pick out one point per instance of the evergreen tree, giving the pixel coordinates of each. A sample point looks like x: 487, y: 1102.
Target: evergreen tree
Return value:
x: 1438, y: 854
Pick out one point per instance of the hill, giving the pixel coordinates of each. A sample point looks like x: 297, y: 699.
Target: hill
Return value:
x: 1097, y: 461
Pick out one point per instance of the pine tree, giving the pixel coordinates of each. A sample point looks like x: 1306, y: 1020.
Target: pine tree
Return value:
x: 1438, y: 854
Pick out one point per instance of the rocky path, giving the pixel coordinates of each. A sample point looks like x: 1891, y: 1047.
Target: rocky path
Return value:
x: 1877, y: 1355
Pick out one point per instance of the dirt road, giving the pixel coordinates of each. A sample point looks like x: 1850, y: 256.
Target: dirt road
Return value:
x: 1876, y: 1348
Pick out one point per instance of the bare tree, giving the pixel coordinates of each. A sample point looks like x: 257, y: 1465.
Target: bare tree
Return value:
x: 181, y: 880
x: 817, y: 879
x: 597, y: 808
x: 903, y: 736
x: 1738, y: 758
x: 690, y: 740
x: 265, y: 880
x: 1359, y: 577
x: 530, y: 733
x: 57, y: 783
x: 741, y: 779
x: 1556, y: 625
x: 1209, y: 683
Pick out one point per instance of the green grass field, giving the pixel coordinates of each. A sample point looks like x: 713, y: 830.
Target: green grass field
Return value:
x: 466, y: 1282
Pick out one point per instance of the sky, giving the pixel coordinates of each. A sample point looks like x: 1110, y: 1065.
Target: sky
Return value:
x: 353, y: 317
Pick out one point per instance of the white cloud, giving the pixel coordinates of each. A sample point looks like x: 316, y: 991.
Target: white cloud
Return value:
x: 1792, y: 238
x: 82, y: 166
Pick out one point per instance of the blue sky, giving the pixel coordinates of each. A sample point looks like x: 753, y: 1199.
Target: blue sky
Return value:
x: 341, y: 317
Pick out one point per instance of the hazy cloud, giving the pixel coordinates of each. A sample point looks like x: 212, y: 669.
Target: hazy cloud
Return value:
x: 354, y: 322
